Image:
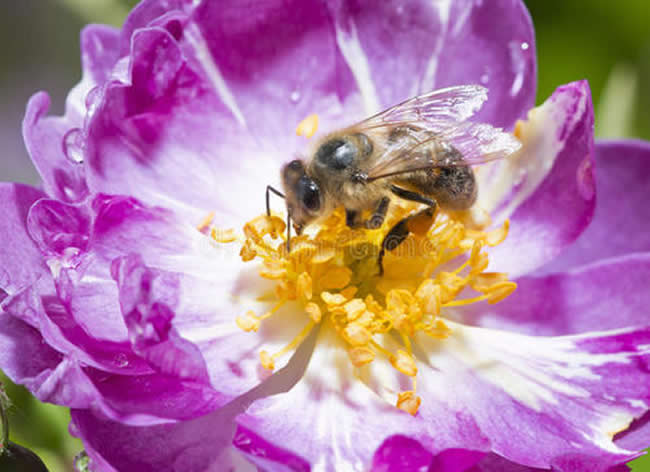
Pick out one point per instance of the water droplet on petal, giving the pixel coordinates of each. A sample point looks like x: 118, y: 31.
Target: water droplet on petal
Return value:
x: 295, y: 96
x: 518, y: 64
x: 484, y: 79
x: 72, y: 147
x: 92, y: 98
x: 121, y: 360
x: 524, y: 46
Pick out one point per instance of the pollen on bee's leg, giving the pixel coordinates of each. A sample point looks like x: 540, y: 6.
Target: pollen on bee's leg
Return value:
x: 308, y: 126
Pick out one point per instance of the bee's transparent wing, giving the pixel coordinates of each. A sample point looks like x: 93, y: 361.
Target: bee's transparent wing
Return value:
x: 477, y: 143
x: 438, y: 109
x: 443, y: 114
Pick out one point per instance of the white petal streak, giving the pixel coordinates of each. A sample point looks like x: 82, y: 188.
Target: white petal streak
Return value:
x: 549, y: 366
x: 350, y: 46
x: 203, y: 55
x: 506, y: 184
x: 429, y: 79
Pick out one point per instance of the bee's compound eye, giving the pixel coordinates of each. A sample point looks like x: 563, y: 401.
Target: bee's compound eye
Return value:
x: 309, y: 194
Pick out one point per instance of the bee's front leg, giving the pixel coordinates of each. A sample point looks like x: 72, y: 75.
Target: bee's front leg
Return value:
x: 377, y: 218
x: 354, y: 221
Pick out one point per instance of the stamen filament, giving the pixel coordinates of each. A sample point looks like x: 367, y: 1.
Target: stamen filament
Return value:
x: 466, y: 301
x: 295, y: 342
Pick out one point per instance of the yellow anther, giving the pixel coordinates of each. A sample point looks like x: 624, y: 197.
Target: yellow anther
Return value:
x: 438, y: 330
x: 267, y: 360
x: 314, y: 312
x: 450, y: 286
x: 247, y: 252
x: 409, y: 402
x: 304, y: 286
x: 360, y: 356
x: 333, y: 299
x: 308, y: 126
x: 404, y: 362
x: 274, y: 270
x: 480, y: 264
x: 206, y: 222
x: 356, y: 334
x: 428, y: 293
x: 349, y: 292
x: 323, y: 254
x: 366, y: 318
x: 519, y: 127
x: 500, y: 291
x: 248, y: 322
x: 354, y: 308
x: 285, y: 290
x: 223, y: 235
x: 372, y: 305
x: 336, y: 278
x: 483, y: 282
x: 259, y: 227
x: 497, y: 236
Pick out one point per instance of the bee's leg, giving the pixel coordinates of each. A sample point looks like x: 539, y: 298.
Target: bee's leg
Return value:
x: 268, y: 205
x: 288, y: 232
x: 412, y: 196
x: 401, y: 230
x: 353, y: 219
x: 377, y: 218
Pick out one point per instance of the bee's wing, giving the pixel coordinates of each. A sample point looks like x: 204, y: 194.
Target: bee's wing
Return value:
x: 437, y: 109
x: 444, y: 114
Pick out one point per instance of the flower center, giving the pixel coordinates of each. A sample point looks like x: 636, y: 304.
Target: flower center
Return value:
x: 332, y: 272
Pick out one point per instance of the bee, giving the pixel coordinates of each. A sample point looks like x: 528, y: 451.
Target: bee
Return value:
x: 420, y: 150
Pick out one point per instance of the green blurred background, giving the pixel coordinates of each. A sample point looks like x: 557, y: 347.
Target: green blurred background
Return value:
x: 606, y: 42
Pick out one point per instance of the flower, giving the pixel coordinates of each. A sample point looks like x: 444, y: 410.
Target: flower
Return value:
x: 127, y: 298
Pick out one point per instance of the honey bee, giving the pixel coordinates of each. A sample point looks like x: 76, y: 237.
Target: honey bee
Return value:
x: 420, y: 150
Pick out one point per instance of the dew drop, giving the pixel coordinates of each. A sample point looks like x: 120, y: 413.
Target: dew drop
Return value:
x: 295, y: 96
x: 484, y: 78
x: 82, y: 462
x: 518, y: 64
x: 72, y: 145
x: 121, y: 360
x: 524, y: 46
x: 92, y: 98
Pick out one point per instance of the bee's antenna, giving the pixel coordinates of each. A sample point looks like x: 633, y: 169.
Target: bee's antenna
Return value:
x: 268, y: 205
x: 288, y: 232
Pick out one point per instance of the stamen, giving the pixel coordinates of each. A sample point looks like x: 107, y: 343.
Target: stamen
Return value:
x: 308, y: 126
x: 224, y: 235
x: 404, y: 363
x: 409, y: 402
x: 268, y: 362
x: 331, y: 272
x: 360, y: 356
x: 206, y: 222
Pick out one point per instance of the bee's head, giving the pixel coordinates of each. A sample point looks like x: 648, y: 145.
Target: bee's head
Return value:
x: 303, y: 194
